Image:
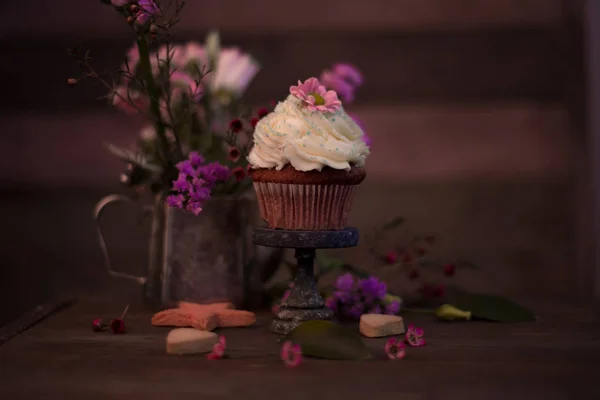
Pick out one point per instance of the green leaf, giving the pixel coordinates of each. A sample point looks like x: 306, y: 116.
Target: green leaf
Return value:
x: 326, y: 339
x: 492, y: 307
x: 396, y: 222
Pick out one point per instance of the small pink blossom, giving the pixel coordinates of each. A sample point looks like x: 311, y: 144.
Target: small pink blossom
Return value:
x: 291, y: 354
x: 147, y: 10
x: 395, y: 349
x: 218, y: 351
x: 315, y: 96
x: 414, y: 336
x: 129, y: 101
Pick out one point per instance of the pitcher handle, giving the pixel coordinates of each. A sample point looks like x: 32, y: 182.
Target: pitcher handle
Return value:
x: 98, y: 210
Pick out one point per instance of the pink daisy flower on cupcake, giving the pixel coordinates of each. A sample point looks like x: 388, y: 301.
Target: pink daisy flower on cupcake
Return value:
x: 315, y: 96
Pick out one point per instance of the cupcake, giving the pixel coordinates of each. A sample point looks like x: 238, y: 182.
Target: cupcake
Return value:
x: 307, y: 160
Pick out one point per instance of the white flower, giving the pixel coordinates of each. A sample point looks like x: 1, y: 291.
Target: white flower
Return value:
x: 234, y: 72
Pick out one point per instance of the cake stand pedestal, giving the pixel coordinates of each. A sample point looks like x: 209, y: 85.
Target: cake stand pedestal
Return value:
x: 304, y: 302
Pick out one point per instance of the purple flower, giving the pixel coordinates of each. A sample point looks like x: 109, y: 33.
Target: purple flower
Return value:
x: 344, y: 90
x: 186, y: 167
x: 199, y: 193
x: 345, y: 283
x: 343, y: 297
x: 195, y: 182
x: 195, y: 159
x: 194, y: 207
x: 356, y: 311
x: 175, y: 200
x: 214, y: 172
x: 393, y: 308
x: 348, y: 73
x: 344, y: 79
x: 373, y: 288
x: 182, y: 184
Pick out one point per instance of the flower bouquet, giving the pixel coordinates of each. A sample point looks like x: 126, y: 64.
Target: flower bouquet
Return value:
x: 194, y: 141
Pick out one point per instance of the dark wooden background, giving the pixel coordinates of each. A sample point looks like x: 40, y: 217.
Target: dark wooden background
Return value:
x: 474, y: 106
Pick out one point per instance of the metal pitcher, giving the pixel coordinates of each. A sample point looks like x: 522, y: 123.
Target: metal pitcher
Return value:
x: 202, y: 259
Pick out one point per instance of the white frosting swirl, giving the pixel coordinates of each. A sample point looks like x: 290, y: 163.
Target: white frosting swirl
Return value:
x: 307, y: 140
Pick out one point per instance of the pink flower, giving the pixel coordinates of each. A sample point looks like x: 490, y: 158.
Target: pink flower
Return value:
x: 315, y: 96
x: 129, y: 101
x: 414, y: 336
x: 395, y: 349
x: 218, y: 351
x: 148, y: 8
x: 291, y: 354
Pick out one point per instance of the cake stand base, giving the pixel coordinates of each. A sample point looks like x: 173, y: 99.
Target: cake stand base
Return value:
x: 304, y: 302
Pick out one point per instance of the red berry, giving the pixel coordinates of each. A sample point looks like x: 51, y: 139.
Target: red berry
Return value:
x: 449, y: 269
x: 414, y: 274
x: 235, y: 125
x: 254, y: 121
x: 98, y: 325
x: 239, y: 173
x: 117, y: 326
x: 391, y: 258
x: 263, y: 112
x: 234, y: 154
x: 439, y: 291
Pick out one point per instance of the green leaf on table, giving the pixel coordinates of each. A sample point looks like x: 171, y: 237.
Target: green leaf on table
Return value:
x: 396, y: 222
x: 491, y: 307
x: 326, y: 339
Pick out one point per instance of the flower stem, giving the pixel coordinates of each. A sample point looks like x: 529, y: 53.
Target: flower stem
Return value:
x: 153, y: 93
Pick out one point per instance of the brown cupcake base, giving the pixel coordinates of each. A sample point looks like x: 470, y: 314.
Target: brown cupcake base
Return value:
x: 296, y: 200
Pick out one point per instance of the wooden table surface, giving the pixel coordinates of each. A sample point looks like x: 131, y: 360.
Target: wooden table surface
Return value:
x: 556, y: 357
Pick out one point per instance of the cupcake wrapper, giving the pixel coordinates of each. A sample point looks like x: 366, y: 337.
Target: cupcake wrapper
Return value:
x: 304, y: 207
